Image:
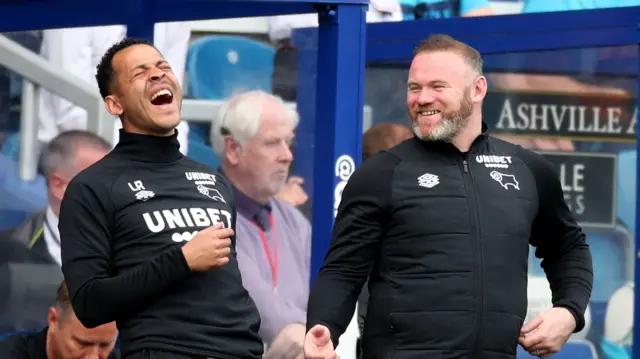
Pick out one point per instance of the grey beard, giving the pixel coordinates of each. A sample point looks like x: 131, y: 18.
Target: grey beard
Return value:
x: 445, y: 131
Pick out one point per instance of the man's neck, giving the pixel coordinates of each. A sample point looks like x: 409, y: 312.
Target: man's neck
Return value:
x: 469, y: 133
x: 54, y: 204
x: 246, y: 189
x: 127, y: 127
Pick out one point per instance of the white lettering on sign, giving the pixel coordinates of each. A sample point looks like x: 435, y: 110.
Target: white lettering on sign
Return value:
x: 566, y: 119
x: 572, y: 180
x: 345, y: 166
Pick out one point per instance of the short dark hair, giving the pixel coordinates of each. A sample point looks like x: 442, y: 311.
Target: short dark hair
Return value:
x: 441, y: 42
x: 105, y: 74
x: 62, y: 149
x: 63, y: 302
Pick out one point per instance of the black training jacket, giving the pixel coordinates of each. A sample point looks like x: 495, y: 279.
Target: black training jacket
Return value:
x: 445, y: 237
x: 123, y: 222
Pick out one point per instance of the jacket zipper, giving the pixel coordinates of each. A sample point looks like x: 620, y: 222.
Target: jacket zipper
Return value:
x: 477, y: 249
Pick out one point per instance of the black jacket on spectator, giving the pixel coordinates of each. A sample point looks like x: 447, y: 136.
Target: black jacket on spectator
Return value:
x: 25, y: 243
x: 29, y: 276
x: 445, y: 237
x: 31, y: 346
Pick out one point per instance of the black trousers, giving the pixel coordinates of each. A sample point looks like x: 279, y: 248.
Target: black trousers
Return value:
x: 158, y: 354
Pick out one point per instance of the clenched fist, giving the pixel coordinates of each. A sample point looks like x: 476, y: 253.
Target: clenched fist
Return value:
x: 210, y: 248
x: 318, y: 344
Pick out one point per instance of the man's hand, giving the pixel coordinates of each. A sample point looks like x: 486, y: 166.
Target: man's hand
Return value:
x: 318, y: 344
x: 293, y: 192
x: 210, y: 248
x: 288, y: 343
x: 547, y: 332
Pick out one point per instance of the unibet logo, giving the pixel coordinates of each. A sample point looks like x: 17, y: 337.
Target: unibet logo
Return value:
x: 492, y: 161
x: 184, y: 218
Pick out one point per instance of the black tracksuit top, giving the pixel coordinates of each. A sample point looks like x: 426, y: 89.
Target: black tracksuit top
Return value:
x: 123, y: 222
x: 445, y: 237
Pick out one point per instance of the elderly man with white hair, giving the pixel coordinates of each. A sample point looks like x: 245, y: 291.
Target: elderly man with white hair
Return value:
x: 252, y: 135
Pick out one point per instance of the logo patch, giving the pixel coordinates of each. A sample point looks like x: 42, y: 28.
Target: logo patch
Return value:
x: 145, y: 195
x: 204, y: 183
x: 505, y: 180
x: 211, y: 193
x: 428, y: 180
x: 492, y: 161
x: 141, y: 193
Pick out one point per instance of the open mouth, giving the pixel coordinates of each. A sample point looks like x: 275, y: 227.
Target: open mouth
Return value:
x: 162, y: 97
x: 429, y: 113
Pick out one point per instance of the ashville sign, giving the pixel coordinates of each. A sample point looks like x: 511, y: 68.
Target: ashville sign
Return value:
x: 574, y: 116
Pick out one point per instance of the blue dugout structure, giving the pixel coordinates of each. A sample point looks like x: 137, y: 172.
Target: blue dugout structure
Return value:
x: 332, y: 64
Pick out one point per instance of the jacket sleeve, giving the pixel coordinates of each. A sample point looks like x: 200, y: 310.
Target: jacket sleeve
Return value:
x: 560, y: 242
x: 358, y: 229
x: 98, y: 294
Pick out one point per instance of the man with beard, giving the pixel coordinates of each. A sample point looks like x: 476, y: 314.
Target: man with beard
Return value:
x: 252, y: 136
x: 441, y: 225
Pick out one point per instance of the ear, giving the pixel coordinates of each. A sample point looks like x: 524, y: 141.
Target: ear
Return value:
x: 232, y: 150
x: 52, y: 318
x: 113, y: 105
x: 57, y: 185
x: 479, y: 90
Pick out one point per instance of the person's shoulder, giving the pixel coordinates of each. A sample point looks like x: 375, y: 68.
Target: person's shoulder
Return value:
x: 115, y: 354
x: 383, y: 160
x: 536, y: 162
x: 197, y: 168
x: 18, y: 346
x: 104, y: 172
x: 504, y: 147
x: 403, y: 148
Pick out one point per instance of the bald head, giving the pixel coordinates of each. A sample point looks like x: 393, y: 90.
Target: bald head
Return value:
x: 383, y: 137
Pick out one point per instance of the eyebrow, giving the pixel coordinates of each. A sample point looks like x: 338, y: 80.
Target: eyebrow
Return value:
x: 90, y: 342
x: 146, y: 66
x: 431, y: 83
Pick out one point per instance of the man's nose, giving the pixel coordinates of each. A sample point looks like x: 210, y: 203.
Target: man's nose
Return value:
x: 156, y: 74
x: 426, y: 97
x: 286, y: 154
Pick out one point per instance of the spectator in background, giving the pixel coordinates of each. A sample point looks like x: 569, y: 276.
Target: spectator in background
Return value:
x: 64, y: 337
x: 441, y: 9
x: 285, y: 79
x: 252, y: 134
x: 65, y: 156
x: 30, y: 257
x: 79, y: 50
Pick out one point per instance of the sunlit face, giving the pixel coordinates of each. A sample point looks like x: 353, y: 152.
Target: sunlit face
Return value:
x: 147, y: 93
x: 69, y: 339
x: 265, y: 159
x: 439, y: 95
